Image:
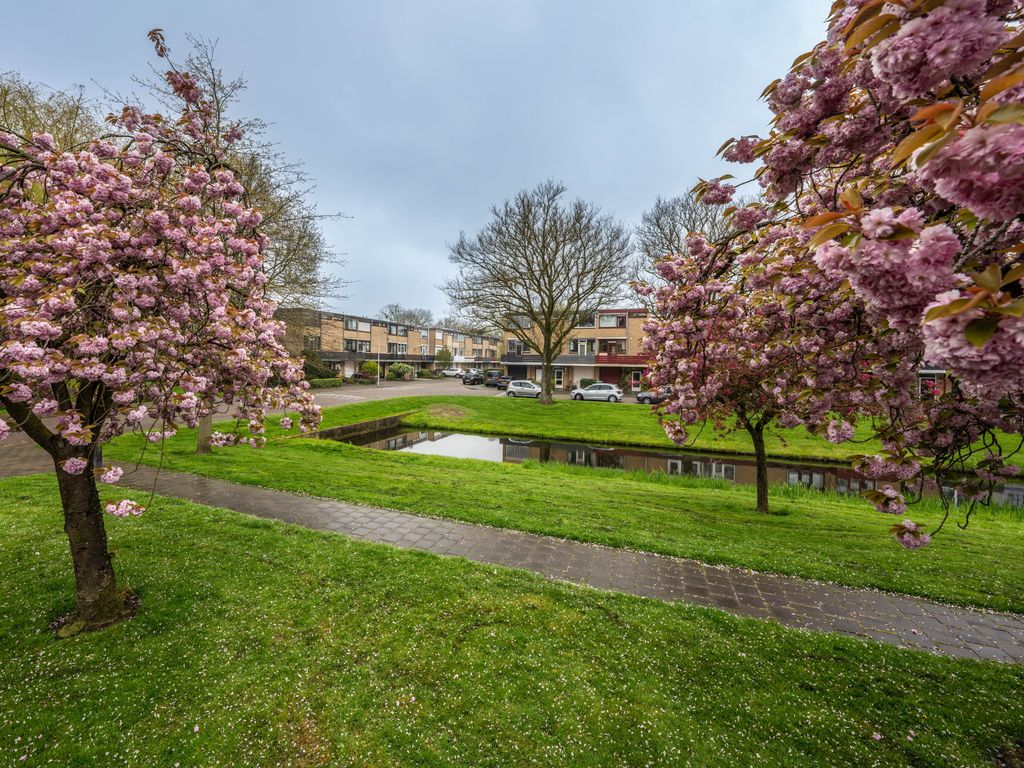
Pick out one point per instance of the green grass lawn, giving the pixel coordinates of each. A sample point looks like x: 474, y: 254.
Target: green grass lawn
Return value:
x: 259, y: 643
x: 812, y: 535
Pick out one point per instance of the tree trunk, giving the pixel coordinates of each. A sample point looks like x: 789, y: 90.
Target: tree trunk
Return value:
x: 546, y: 384
x: 96, y: 593
x: 205, y: 431
x: 761, y: 459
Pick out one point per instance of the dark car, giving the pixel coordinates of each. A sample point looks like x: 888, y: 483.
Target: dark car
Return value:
x: 472, y: 377
x: 652, y: 397
x: 503, y: 382
x: 491, y: 378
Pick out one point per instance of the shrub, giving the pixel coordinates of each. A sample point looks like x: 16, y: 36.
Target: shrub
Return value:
x: 400, y: 372
x: 324, y: 383
x: 313, y: 367
x: 587, y: 382
x: 424, y: 373
x: 368, y: 368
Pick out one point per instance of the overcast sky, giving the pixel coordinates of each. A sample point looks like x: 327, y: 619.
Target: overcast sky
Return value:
x: 415, y: 116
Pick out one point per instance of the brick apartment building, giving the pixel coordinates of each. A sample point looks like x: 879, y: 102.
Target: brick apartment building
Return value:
x: 343, y: 342
x: 604, y: 347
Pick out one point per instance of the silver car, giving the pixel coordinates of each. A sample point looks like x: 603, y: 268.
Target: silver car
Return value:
x: 522, y: 388
x: 598, y: 391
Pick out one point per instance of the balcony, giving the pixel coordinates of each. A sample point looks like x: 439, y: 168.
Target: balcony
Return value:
x: 385, y: 357
x: 605, y: 358
x: 560, y: 360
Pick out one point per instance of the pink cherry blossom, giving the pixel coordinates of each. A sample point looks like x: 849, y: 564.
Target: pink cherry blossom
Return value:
x: 111, y: 475
x: 74, y: 465
x: 124, y: 508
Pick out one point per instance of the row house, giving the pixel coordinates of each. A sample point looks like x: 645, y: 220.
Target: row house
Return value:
x: 344, y: 342
x: 605, y: 347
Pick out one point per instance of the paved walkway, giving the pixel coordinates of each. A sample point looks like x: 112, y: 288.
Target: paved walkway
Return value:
x: 895, y: 619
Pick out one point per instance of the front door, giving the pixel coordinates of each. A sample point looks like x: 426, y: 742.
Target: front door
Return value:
x: 558, y: 378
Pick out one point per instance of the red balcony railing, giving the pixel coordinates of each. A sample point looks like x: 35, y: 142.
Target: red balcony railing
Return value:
x: 605, y: 358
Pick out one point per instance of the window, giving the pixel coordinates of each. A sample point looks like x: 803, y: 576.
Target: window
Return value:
x: 311, y: 343
x: 351, y: 324
x: 519, y: 322
x: 459, y: 336
x: 612, y: 321
x: 807, y: 478
x: 423, y: 349
x: 397, y: 330
x: 364, y: 326
x: 356, y: 345
x: 517, y: 451
x: 723, y: 471
x: 609, y: 460
x: 586, y: 322
x: 478, y: 352
x: 423, y: 334
x: 674, y: 467
x: 580, y: 346
x: 930, y: 384
x: 397, y: 349
x: 478, y: 339
x: 580, y: 457
x: 1013, y: 495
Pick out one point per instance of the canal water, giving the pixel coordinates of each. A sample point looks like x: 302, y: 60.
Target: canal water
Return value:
x: 838, y: 478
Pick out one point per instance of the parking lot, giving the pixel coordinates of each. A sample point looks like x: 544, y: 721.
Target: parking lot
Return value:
x: 355, y: 393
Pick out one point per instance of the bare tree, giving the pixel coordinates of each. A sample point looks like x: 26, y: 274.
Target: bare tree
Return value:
x: 415, y: 316
x: 663, y: 231
x: 541, y: 266
x: 453, y: 321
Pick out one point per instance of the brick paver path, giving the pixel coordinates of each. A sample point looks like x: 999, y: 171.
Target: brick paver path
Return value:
x: 896, y: 619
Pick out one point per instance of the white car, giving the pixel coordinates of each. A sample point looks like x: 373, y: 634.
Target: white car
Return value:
x: 522, y: 388
x: 450, y: 372
x: 598, y: 391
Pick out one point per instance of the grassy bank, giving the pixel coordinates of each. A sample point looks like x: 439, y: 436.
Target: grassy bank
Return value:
x: 264, y: 644
x: 812, y: 535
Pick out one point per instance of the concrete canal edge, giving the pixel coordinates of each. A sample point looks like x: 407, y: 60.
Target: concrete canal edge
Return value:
x: 348, y: 431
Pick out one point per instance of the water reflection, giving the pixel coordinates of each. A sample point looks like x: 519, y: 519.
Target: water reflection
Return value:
x: 837, y: 478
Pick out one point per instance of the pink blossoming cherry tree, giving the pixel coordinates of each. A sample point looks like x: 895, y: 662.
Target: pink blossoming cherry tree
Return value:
x: 131, y: 298
x: 893, y: 175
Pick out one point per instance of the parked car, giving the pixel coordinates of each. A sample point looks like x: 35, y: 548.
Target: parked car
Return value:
x: 522, y: 388
x: 472, y: 377
x: 652, y: 396
x: 598, y: 391
x: 491, y: 378
x: 503, y: 382
x: 452, y: 372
